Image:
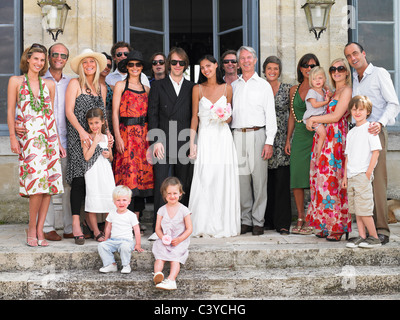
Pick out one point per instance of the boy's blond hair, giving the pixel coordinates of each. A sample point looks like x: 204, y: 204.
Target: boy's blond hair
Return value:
x: 121, y: 191
x: 361, y: 102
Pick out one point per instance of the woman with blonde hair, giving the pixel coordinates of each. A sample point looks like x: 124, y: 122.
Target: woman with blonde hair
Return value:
x: 328, y: 210
x: 83, y: 93
x: 38, y: 147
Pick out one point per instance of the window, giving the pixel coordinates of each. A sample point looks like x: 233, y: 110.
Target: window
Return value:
x: 198, y: 26
x: 377, y: 30
x: 10, y: 52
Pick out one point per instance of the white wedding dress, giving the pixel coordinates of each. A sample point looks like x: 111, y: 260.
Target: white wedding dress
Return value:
x: 214, y: 194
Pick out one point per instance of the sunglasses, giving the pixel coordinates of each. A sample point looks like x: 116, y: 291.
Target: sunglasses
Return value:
x: 62, y: 55
x: 181, y: 63
x: 306, y: 65
x: 109, y: 66
x: 134, y: 64
x: 119, y: 54
x: 229, y: 60
x: 39, y: 46
x: 340, y: 69
x: 160, y: 62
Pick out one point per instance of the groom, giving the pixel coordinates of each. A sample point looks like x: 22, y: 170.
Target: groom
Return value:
x: 169, y: 115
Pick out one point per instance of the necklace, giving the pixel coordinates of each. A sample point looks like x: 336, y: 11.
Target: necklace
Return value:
x: 35, y: 105
x: 291, y: 106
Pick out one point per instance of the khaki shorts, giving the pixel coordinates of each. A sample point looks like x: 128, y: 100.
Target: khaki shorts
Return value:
x: 360, y: 195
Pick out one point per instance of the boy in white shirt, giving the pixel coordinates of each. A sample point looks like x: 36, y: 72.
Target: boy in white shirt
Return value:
x: 362, y: 152
x: 118, y: 233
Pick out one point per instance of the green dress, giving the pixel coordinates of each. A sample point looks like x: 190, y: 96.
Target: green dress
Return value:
x: 300, y: 154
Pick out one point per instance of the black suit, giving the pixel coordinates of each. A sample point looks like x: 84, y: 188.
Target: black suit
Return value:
x: 171, y: 115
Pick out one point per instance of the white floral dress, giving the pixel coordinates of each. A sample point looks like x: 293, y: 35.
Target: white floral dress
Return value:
x: 39, y: 161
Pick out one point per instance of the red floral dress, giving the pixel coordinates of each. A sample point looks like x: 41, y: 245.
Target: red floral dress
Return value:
x: 132, y: 168
x: 328, y: 210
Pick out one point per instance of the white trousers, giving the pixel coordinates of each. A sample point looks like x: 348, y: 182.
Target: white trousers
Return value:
x: 49, y: 224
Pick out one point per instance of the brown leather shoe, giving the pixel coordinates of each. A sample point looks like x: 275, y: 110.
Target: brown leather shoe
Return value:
x: 52, y: 236
x: 258, y: 231
x: 68, y: 235
x: 245, y: 228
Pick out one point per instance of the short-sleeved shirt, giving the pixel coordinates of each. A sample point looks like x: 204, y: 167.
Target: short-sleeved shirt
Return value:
x: 359, y: 146
x: 311, y: 111
x: 122, y: 224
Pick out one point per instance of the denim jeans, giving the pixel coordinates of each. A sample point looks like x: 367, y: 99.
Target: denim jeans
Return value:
x: 123, y: 246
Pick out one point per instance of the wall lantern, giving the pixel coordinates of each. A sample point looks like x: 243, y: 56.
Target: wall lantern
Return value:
x: 317, y: 15
x: 54, y: 13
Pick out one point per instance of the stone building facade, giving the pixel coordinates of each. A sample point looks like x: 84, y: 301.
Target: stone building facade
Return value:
x: 273, y: 27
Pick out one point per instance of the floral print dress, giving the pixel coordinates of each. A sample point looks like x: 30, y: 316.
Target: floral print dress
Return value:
x: 328, y: 210
x: 39, y: 161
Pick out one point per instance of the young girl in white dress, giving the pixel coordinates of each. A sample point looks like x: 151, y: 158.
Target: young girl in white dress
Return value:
x: 173, y: 228
x: 99, y: 178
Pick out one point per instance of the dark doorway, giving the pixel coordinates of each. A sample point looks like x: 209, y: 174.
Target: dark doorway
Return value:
x: 191, y: 28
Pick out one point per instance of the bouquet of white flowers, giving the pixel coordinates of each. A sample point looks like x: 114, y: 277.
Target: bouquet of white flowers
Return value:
x: 221, y: 113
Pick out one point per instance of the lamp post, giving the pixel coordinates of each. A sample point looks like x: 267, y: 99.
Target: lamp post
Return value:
x: 317, y: 15
x: 54, y: 16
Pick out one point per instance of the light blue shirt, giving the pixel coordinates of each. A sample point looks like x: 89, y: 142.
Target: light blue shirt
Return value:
x: 377, y: 85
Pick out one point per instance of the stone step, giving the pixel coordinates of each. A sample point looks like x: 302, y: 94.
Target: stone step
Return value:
x: 234, y: 256
x: 275, y: 283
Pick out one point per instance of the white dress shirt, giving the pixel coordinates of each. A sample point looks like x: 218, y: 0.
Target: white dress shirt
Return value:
x: 177, y: 85
x: 59, y: 106
x: 116, y: 76
x: 377, y: 85
x: 253, y: 105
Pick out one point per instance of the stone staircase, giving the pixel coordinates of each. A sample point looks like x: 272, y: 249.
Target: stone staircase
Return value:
x: 270, y: 266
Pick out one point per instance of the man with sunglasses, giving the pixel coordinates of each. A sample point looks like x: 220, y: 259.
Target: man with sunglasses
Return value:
x: 377, y: 85
x: 170, y: 114
x: 229, y: 66
x: 158, y: 69
x: 119, y: 52
x: 58, y: 57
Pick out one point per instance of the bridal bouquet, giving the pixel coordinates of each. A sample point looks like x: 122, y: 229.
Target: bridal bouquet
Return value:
x: 221, y: 113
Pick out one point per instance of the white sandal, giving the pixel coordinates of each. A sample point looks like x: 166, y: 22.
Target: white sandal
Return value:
x: 158, y: 277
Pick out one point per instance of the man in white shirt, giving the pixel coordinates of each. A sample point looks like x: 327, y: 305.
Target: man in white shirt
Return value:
x: 376, y: 84
x: 254, y: 124
x: 58, y: 57
x: 119, y: 52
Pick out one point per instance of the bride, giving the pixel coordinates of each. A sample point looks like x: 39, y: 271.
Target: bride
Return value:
x: 214, y: 196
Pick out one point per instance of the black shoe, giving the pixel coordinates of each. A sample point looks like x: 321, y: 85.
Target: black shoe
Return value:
x: 258, y: 231
x: 284, y: 231
x: 245, y: 228
x: 383, y: 238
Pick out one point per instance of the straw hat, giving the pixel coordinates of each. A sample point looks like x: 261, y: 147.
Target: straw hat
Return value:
x: 101, y: 59
x: 133, y: 55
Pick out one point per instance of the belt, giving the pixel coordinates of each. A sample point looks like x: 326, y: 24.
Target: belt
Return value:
x: 250, y: 129
x: 131, y: 121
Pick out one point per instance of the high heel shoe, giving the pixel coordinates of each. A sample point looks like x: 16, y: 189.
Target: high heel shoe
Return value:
x: 298, y: 227
x: 337, y: 236
x: 42, y: 243
x: 31, y: 241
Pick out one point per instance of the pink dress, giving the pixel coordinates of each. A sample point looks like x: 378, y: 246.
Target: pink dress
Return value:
x: 328, y: 210
x: 173, y: 227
